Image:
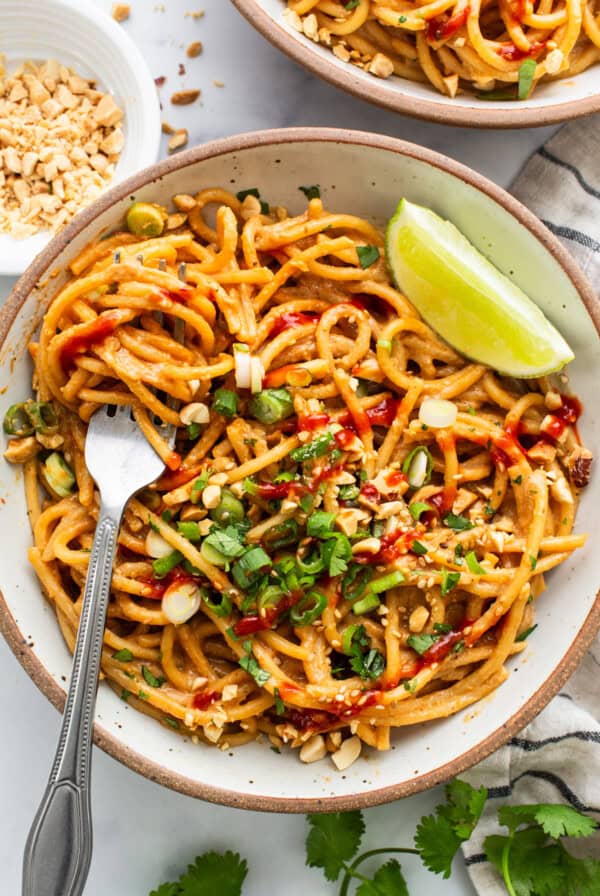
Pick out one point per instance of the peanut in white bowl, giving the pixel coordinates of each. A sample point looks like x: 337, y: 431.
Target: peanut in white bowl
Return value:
x: 90, y: 42
x: 568, y: 614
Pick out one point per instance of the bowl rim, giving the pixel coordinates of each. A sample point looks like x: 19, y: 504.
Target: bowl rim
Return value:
x: 373, y: 91
x: 581, y: 641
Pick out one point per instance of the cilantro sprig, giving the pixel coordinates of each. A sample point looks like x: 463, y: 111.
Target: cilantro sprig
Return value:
x: 531, y: 859
x: 211, y: 873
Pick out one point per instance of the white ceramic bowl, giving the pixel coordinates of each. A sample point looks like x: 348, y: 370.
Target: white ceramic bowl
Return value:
x: 278, y: 162
x: 551, y: 102
x: 88, y: 40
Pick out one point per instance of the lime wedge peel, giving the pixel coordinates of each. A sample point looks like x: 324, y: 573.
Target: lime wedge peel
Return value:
x: 466, y: 300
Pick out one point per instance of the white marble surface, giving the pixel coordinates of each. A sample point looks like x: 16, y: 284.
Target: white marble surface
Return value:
x: 144, y: 834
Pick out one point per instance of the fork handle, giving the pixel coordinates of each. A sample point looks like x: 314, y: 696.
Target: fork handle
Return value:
x: 58, y: 851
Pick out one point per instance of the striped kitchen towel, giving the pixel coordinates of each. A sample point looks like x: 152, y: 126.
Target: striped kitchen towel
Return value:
x: 557, y: 757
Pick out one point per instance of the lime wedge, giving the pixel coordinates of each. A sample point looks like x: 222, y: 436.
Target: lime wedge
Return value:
x: 467, y: 301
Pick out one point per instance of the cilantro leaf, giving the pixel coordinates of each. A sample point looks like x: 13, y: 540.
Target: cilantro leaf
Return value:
x: 439, y: 836
x: 388, y: 881
x: 457, y: 522
x: 336, y: 553
x: 250, y: 664
x: 167, y: 890
x: 367, y: 255
x: 582, y: 876
x: 226, y: 541
x: 421, y: 643
x: 555, y: 820
x: 213, y: 872
x: 332, y: 840
x: 314, y: 192
x: 535, y: 870
x: 151, y: 679
x: 368, y: 665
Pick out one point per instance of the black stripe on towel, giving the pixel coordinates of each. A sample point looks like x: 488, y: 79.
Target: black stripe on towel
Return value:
x: 576, y: 236
x: 531, y: 745
x: 477, y: 859
x: 546, y: 154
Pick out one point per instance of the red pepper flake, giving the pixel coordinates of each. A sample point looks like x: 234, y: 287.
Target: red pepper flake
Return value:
x: 87, y: 335
x: 203, y: 699
x: 181, y: 296
x: 514, y: 54
x: 290, y: 319
x: 311, y: 422
x: 442, y: 27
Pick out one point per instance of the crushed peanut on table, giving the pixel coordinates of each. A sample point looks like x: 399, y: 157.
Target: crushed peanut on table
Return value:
x: 60, y: 141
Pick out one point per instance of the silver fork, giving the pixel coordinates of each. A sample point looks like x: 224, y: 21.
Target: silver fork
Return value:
x: 58, y: 851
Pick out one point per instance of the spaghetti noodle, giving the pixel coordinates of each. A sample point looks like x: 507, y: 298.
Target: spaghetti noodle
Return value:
x: 355, y: 526
x: 479, y: 45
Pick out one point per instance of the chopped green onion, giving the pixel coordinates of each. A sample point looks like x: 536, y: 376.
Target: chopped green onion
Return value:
x: 225, y: 402
x: 533, y: 561
x: 123, y: 656
x: 221, y: 608
x: 418, y: 547
x: 229, y: 509
x: 317, y: 448
x: 367, y: 255
x: 442, y: 628
x: 348, y: 492
x: 213, y: 556
x: 271, y: 406
x: 286, y: 476
x: 418, y: 509
x: 311, y: 564
x: 355, y: 581
x: 354, y: 637
x: 472, y: 563
x: 17, y: 421
x: 458, y: 554
x: 320, y: 524
x: 58, y: 475
x: 366, y: 604
x: 391, y: 580
x: 189, y: 530
x: 193, y: 432
x: 306, y: 503
x: 279, y: 704
x: 418, y: 466
x: 42, y: 416
x: 449, y: 581
x: 253, y: 561
x: 269, y: 598
x: 164, y: 565
x: 524, y: 635
x: 526, y: 76
x: 309, y: 608
x: 282, y: 535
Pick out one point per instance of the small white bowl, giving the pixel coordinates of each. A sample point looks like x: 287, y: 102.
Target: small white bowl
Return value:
x: 89, y: 41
